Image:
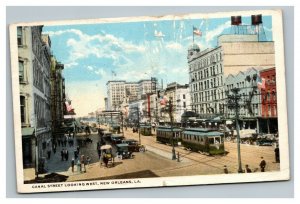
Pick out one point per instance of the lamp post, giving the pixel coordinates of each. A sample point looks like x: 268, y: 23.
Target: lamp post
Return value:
x: 233, y: 103
x: 36, y: 149
x: 122, y: 123
x: 171, y: 120
x: 138, y: 118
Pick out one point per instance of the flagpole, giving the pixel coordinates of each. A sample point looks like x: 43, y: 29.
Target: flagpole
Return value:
x: 193, y: 34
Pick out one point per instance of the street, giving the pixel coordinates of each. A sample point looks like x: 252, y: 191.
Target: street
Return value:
x: 157, y: 161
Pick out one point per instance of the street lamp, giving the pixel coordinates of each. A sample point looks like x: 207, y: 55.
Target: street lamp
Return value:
x: 233, y: 103
x: 171, y: 120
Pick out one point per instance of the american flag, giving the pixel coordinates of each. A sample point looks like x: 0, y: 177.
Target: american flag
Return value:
x: 261, y: 82
x: 68, y: 106
x: 163, y: 100
x: 196, y: 31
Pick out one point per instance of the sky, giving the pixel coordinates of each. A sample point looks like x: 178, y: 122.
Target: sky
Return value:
x: 93, y: 54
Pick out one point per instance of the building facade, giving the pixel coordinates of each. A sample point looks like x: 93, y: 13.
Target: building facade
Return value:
x: 34, y: 79
x: 120, y: 91
x: 268, y: 122
x: 209, y: 68
x: 179, y: 95
x: 250, y: 97
x: 116, y: 93
x: 58, y: 96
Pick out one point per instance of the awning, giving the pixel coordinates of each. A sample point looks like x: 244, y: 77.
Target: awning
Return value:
x: 27, y: 131
x: 106, y: 147
x: 229, y: 122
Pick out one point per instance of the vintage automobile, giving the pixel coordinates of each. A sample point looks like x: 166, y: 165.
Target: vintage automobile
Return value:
x: 117, y: 139
x: 264, y: 142
x: 107, y: 136
x: 123, y: 151
x: 134, y: 145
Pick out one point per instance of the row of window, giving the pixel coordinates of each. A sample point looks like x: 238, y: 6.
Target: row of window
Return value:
x: 212, y: 83
x: 208, y: 108
x: 206, y: 61
x: 208, y: 96
x: 41, y: 110
x: 211, y: 71
x: 38, y: 77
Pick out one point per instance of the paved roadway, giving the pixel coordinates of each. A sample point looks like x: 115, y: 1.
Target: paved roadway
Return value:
x: 157, y: 162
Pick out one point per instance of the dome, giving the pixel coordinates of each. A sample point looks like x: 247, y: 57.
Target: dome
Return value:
x: 194, y: 47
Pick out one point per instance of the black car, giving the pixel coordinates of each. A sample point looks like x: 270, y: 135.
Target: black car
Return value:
x: 134, y: 146
x: 264, y: 142
x: 115, y: 139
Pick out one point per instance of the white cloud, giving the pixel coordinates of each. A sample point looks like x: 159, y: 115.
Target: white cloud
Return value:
x: 101, y: 72
x: 100, y: 45
x: 90, y: 68
x: 174, y: 46
x: 71, y: 64
x: 211, y: 34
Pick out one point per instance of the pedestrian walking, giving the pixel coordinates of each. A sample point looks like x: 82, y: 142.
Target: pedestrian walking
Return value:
x: 78, y: 166
x: 247, y: 169
x: 105, y: 160
x: 88, y: 159
x: 67, y: 155
x: 62, y: 153
x: 262, y: 165
x: 54, y: 148
x: 58, y: 141
x: 73, y: 164
x: 82, y: 161
x: 277, y: 156
x: 225, y: 169
x: 78, y: 149
x: 49, y: 153
x: 75, y: 154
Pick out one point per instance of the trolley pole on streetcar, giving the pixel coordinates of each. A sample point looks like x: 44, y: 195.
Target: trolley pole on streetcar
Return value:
x: 171, y: 120
x: 233, y: 103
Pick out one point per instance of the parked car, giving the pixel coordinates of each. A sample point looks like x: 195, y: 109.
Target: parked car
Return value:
x: 123, y: 151
x: 107, y: 136
x: 264, y: 142
x: 134, y: 145
x: 116, y: 139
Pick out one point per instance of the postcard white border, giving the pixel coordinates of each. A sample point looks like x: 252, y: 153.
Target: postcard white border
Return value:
x: 283, y: 174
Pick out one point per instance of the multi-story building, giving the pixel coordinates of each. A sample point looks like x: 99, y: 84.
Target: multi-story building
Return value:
x: 145, y: 87
x: 116, y: 93
x: 268, y: 122
x: 250, y: 97
x: 58, y: 97
x: 209, y: 68
x: 180, y: 97
x: 131, y: 90
x: 34, y: 79
x: 120, y: 91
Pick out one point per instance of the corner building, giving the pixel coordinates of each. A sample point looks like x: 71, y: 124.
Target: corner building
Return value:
x: 209, y: 68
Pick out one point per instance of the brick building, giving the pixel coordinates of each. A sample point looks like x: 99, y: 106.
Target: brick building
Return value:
x: 268, y: 122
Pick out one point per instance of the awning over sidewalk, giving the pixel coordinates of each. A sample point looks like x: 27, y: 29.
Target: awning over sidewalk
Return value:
x: 28, y: 131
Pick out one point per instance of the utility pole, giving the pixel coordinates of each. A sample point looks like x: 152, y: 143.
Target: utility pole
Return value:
x: 138, y: 115
x: 122, y: 123
x: 171, y: 120
x: 233, y: 103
